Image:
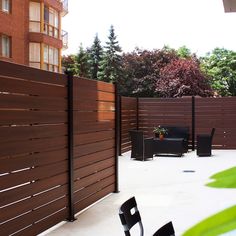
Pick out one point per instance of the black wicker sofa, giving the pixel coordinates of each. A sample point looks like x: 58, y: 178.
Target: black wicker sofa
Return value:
x: 178, y: 132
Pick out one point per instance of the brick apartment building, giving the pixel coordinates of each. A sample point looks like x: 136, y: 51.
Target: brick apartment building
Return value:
x: 30, y: 32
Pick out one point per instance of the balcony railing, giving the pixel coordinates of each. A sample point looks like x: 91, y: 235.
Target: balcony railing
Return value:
x: 64, y: 37
x: 65, y: 7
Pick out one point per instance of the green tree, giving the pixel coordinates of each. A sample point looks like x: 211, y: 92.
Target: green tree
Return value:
x: 184, y: 52
x: 69, y: 63
x: 110, y: 65
x: 220, y: 65
x: 81, y: 60
x: 95, y: 56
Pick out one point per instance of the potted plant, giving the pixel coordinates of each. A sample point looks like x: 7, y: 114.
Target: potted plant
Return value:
x: 160, y: 132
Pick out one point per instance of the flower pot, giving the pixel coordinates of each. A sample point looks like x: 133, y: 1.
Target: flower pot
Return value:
x: 161, y: 136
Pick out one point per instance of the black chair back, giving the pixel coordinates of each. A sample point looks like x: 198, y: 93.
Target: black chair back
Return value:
x: 129, y: 219
x: 136, y: 137
x: 212, y: 133
x: 166, y: 230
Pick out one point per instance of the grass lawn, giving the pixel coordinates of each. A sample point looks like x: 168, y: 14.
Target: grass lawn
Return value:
x: 224, y: 179
x: 223, y: 221
x: 217, y: 224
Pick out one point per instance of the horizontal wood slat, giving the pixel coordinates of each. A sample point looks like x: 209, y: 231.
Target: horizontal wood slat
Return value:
x: 93, y: 188
x: 30, y: 189
x: 93, y: 168
x: 93, y: 198
x: 12, y: 85
x: 32, y: 202
x: 90, y: 96
x: 9, y: 101
x: 27, y: 117
x: 19, y: 133
x: 33, y: 216
x: 93, y: 126
x: 93, y: 106
x: 92, y: 158
x: 34, y: 145
x: 93, y: 85
x: 93, y: 137
x: 44, y: 224
x: 90, y: 179
x: 93, y: 147
x: 14, y: 163
x: 28, y: 73
x: 93, y: 116
x: 29, y: 175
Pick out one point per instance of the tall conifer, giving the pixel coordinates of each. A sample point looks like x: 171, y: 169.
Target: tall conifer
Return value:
x: 95, y: 56
x: 82, y: 62
x: 110, y: 65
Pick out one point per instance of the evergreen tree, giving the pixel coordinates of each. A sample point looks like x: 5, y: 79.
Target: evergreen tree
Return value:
x: 69, y: 64
x: 95, y: 56
x: 82, y: 62
x: 110, y: 65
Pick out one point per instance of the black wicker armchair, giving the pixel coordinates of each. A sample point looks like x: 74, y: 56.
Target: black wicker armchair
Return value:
x: 141, y: 148
x: 204, y: 143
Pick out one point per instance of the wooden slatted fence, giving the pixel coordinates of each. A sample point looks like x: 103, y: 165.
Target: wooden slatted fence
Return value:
x: 33, y: 149
x: 34, y: 160
x: 219, y: 113
x: 164, y: 111
x: 94, y: 141
x: 207, y: 112
x: 128, y: 121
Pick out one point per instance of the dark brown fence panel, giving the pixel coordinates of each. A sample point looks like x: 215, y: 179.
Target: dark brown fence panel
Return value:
x: 33, y: 149
x: 164, y: 111
x: 128, y: 121
x: 219, y: 113
x: 94, y: 141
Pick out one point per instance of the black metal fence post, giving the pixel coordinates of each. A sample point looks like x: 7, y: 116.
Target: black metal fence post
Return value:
x: 193, y: 123
x: 137, y: 113
x: 71, y: 216
x: 117, y: 136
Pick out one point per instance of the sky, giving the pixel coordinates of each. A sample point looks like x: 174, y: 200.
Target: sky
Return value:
x: 201, y: 25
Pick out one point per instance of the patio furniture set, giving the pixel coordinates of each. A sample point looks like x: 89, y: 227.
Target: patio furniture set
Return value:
x: 175, y: 143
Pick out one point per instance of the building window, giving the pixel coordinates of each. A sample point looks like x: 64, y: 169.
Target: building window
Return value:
x: 5, y: 46
x: 34, y: 17
x: 51, y: 22
x: 34, y: 55
x: 6, y: 5
x: 51, y: 58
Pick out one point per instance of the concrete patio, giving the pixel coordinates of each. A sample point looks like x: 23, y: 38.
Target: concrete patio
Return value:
x: 167, y: 188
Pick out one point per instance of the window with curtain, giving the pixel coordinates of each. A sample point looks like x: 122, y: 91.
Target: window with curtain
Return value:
x: 6, y: 5
x: 34, y: 17
x: 51, y: 22
x: 51, y: 58
x: 34, y: 55
x: 5, y: 46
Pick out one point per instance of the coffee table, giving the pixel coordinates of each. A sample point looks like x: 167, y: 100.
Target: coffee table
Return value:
x: 173, y: 146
